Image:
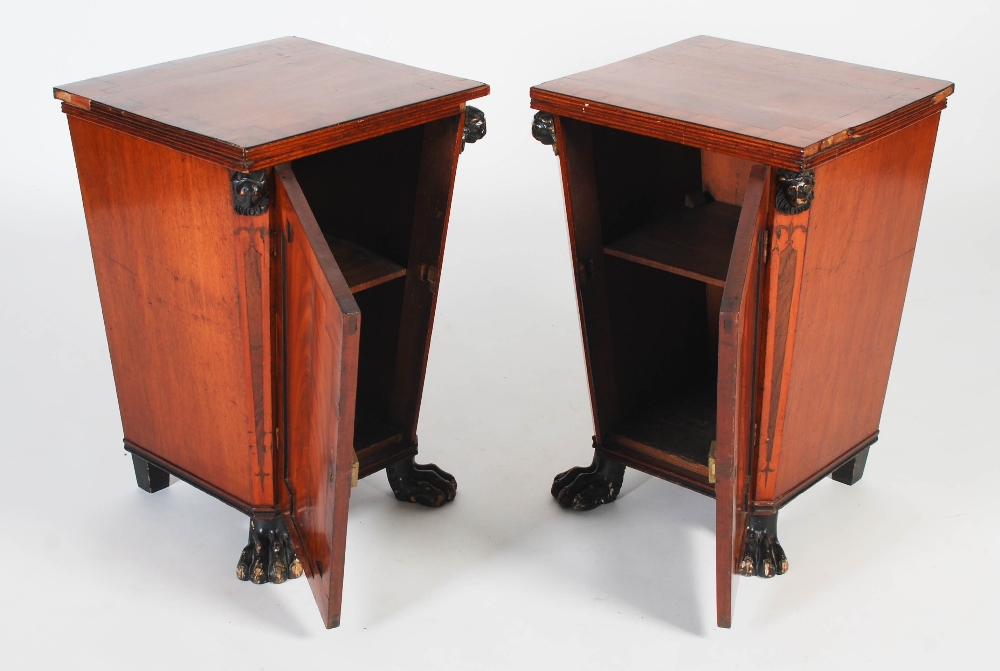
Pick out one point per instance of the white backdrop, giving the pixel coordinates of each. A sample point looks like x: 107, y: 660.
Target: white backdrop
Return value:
x: 898, y: 570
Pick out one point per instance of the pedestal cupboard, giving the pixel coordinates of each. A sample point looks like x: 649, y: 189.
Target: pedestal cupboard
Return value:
x: 742, y: 223
x: 268, y: 226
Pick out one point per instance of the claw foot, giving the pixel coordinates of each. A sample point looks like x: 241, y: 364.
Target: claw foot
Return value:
x: 586, y: 487
x: 425, y: 484
x: 269, y: 555
x: 762, y: 553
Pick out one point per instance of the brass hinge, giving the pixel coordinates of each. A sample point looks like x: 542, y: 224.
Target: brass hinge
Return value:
x: 355, y: 468
x: 767, y: 244
x: 711, y: 463
x: 431, y: 275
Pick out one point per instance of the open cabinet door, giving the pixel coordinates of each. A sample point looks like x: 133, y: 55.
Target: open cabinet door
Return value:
x: 321, y: 327
x: 739, y: 320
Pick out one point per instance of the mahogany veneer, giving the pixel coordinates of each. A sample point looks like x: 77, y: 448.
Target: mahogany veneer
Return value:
x: 742, y: 222
x: 268, y: 228
x: 267, y: 103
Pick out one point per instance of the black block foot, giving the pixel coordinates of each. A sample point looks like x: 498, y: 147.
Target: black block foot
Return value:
x: 762, y: 553
x: 150, y: 478
x: 425, y: 484
x: 586, y: 487
x: 852, y: 471
x: 269, y: 555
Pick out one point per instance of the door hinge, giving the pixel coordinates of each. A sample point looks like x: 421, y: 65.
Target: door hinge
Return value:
x: 767, y: 244
x: 711, y: 463
x: 431, y: 275
x: 355, y: 469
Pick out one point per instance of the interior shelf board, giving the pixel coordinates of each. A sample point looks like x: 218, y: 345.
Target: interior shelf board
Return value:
x: 362, y: 268
x: 377, y: 443
x: 676, y: 430
x: 693, y: 242
x: 371, y: 434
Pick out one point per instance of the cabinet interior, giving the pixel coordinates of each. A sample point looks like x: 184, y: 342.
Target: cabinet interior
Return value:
x: 668, y: 214
x: 363, y: 196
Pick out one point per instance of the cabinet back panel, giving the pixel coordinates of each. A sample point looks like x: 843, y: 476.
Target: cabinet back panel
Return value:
x: 639, y: 178
x: 365, y: 192
x: 660, y: 333
x: 380, y: 312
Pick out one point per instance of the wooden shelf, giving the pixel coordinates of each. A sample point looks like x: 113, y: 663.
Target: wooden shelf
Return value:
x: 362, y: 268
x: 676, y: 432
x: 371, y: 433
x: 376, y: 442
x: 693, y: 242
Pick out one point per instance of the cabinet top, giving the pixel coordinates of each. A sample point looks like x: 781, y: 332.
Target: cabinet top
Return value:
x: 776, y: 107
x: 269, y: 102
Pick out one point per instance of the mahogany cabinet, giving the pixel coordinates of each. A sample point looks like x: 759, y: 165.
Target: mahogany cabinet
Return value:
x: 742, y: 223
x: 268, y: 226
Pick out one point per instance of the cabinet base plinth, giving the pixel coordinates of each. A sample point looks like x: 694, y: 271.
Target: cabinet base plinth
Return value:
x: 852, y: 471
x: 150, y: 478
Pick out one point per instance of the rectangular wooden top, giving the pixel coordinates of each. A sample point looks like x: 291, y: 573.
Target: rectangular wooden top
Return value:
x: 771, y: 106
x: 269, y: 102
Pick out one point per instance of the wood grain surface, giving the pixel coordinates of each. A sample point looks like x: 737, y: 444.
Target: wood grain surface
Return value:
x: 693, y: 242
x: 739, y: 326
x: 262, y: 104
x: 441, y: 146
x: 853, y: 288
x: 725, y: 177
x: 181, y: 279
x: 321, y: 325
x: 776, y: 107
x: 788, y: 244
x: 362, y: 268
x: 583, y: 215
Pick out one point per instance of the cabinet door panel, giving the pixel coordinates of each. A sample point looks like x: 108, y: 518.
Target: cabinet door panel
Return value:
x: 321, y: 327
x: 739, y: 321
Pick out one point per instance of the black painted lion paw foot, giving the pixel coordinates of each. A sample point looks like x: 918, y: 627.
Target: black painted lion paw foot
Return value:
x: 425, y: 484
x: 762, y: 553
x: 586, y: 487
x: 269, y: 555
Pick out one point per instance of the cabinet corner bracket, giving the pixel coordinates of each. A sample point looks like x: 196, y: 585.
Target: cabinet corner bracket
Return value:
x: 474, y: 128
x: 796, y: 191
x: 543, y: 129
x: 250, y: 194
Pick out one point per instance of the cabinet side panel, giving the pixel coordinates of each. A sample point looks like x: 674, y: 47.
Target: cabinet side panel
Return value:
x: 442, y: 144
x: 170, y: 271
x: 863, y: 231
x: 583, y: 216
